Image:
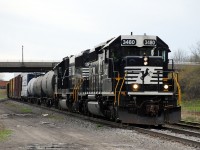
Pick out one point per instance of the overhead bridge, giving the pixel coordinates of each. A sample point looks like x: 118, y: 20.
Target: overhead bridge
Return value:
x: 26, y: 66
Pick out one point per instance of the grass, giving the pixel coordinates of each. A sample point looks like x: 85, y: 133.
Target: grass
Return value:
x: 55, y: 117
x: 3, y: 93
x: 191, y: 110
x: 25, y: 110
x: 4, y: 134
x: 99, y: 125
x: 191, y: 106
x: 20, y: 108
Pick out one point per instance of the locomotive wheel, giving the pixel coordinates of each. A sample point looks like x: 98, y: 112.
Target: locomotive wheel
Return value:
x: 47, y: 103
x: 69, y: 104
x: 113, y: 115
x: 85, y: 108
x: 59, y: 107
x: 38, y: 102
x: 56, y: 103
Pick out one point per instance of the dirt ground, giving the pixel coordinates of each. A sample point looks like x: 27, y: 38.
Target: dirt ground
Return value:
x: 34, y: 128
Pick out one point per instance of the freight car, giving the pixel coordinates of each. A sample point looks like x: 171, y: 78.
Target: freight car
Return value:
x: 126, y: 78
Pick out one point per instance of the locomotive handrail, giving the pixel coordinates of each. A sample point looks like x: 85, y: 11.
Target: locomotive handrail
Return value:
x: 118, y: 79
x: 77, y: 89
x: 121, y: 87
x: 81, y: 82
x: 179, y: 88
x: 74, y: 90
x: 73, y: 94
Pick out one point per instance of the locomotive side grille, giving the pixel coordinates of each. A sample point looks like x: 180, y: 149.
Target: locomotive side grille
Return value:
x: 70, y: 71
x: 85, y: 72
x: 150, y: 75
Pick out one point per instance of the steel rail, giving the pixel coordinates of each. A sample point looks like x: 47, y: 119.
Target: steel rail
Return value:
x: 169, y: 137
x: 190, y: 123
x: 182, y: 131
x: 187, y: 126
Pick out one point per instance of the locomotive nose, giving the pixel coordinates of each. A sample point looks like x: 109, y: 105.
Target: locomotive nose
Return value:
x: 131, y: 61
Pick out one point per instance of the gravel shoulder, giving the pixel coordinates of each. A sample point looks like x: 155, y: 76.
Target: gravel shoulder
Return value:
x: 34, y: 128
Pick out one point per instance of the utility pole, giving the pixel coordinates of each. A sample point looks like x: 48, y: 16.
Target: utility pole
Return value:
x: 22, y: 55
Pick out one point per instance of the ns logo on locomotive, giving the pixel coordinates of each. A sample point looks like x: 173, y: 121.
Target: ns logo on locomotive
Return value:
x: 126, y: 78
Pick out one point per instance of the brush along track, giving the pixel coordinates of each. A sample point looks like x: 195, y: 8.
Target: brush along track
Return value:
x: 154, y: 132
x: 3, y: 100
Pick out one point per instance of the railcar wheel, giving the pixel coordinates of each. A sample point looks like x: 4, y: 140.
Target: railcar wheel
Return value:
x: 47, y: 103
x: 38, y: 101
x: 59, y: 107
x: 56, y: 103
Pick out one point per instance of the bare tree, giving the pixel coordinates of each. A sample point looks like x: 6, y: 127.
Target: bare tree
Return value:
x: 195, y: 50
x: 179, y: 56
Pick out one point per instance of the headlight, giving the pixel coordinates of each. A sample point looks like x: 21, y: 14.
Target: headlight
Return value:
x: 135, y: 86
x: 145, y: 58
x: 166, y: 87
x: 145, y: 63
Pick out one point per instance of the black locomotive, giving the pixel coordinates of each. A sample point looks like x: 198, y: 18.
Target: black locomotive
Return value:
x: 126, y: 78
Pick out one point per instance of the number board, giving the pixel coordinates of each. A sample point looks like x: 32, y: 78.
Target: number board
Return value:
x: 128, y: 42
x: 149, y: 42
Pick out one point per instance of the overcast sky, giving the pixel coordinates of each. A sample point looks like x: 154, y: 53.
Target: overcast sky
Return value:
x: 53, y: 29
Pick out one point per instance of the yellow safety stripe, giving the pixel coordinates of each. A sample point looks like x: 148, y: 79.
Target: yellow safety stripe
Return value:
x: 118, y: 79
x: 121, y: 88
x: 179, y: 88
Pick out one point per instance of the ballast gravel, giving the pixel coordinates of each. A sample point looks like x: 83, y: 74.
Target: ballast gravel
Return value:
x: 42, y: 129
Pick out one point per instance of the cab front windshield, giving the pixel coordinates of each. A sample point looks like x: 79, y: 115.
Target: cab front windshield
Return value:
x: 136, y: 51
x: 119, y: 52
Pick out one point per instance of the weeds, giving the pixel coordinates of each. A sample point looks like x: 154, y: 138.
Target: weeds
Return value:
x: 20, y: 108
x: 25, y: 110
x: 2, y: 93
x: 99, y: 125
x: 55, y: 117
x: 191, y: 110
x: 4, y: 134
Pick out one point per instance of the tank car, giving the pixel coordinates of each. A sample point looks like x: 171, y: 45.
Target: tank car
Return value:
x: 126, y: 78
x: 41, y: 88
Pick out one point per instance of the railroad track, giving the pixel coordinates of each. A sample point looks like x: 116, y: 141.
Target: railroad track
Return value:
x: 155, y: 132
x: 187, y: 125
x: 190, y: 123
x: 182, y: 131
x: 3, y: 100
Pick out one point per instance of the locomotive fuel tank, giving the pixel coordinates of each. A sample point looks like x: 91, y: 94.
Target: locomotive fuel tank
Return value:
x: 47, y: 83
x: 62, y: 104
x: 94, y: 108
